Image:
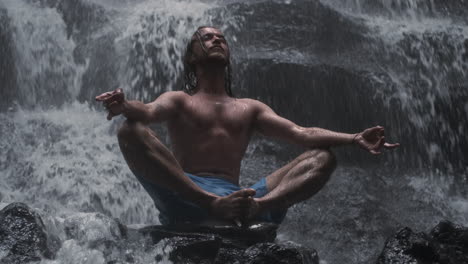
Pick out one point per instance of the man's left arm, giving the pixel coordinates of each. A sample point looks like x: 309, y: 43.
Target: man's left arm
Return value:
x: 270, y: 124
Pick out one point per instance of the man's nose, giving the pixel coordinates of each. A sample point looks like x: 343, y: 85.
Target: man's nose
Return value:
x: 216, y: 39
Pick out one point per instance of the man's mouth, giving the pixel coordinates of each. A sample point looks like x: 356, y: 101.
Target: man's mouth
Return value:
x: 216, y: 48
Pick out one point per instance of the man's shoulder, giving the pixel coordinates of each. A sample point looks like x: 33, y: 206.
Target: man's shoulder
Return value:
x: 173, y: 96
x: 254, y: 104
x: 249, y: 101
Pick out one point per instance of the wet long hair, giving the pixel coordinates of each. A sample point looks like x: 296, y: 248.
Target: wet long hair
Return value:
x: 190, y: 77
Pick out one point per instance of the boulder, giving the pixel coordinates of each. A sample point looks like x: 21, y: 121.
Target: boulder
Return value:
x: 408, y: 247
x: 23, y: 236
x: 288, y: 253
x: 447, y: 243
x: 452, y: 242
x: 228, y: 244
x: 245, y: 236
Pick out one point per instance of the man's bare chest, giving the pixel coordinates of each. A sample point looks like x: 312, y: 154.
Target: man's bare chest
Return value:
x: 231, y: 117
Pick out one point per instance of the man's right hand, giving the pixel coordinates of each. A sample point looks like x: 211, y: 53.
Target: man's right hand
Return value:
x: 234, y: 206
x: 113, y: 102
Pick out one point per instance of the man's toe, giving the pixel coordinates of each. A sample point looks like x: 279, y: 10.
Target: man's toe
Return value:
x: 248, y: 192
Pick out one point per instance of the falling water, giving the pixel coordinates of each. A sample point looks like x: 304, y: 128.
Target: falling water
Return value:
x: 342, y: 65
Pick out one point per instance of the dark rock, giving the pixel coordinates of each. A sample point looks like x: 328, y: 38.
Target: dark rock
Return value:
x: 201, y: 249
x: 408, y: 247
x: 452, y: 242
x: 269, y: 253
x: 446, y: 244
x: 264, y: 232
x: 23, y: 236
x: 327, y: 30
x: 229, y: 256
x: 227, y: 244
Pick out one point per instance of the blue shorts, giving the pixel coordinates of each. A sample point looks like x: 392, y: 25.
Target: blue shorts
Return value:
x: 173, y: 209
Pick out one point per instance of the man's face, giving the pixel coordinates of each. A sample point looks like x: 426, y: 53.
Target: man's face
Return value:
x: 215, y: 45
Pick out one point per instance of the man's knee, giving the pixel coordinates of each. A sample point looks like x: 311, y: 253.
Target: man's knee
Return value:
x: 322, y: 159
x: 130, y: 131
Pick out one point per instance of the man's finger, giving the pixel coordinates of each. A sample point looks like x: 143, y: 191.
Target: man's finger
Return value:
x: 113, y: 98
x: 390, y: 146
x: 375, y: 152
x: 110, y: 115
x: 107, y: 95
x: 381, y: 142
x: 378, y: 144
x: 103, y: 96
x: 112, y: 104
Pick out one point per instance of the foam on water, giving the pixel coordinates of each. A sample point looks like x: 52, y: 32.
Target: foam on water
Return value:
x: 68, y: 160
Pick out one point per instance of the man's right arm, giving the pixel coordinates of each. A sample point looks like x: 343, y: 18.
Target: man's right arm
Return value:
x: 165, y: 107
x: 162, y: 109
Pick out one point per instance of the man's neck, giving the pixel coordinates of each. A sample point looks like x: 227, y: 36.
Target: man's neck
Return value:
x: 211, y: 80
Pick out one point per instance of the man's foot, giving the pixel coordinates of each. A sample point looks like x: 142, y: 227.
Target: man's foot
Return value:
x: 233, y: 206
x: 254, y: 209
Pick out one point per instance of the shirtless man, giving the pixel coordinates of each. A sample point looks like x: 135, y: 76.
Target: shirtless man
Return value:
x: 210, y: 131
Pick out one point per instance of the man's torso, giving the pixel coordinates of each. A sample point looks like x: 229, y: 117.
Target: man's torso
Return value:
x: 210, y: 134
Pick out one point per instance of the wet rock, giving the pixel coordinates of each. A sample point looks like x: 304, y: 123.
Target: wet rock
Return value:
x: 264, y: 232
x: 202, y: 249
x: 408, y: 247
x: 327, y: 30
x: 452, y: 242
x: 447, y: 243
x: 23, y: 235
x: 265, y: 253
x: 228, y: 244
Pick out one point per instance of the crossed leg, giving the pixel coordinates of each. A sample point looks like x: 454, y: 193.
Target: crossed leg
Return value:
x: 148, y: 157
x: 298, y: 180
x: 295, y: 182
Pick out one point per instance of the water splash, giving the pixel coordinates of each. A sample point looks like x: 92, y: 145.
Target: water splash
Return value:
x: 68, y: 160
x: 159, y: 32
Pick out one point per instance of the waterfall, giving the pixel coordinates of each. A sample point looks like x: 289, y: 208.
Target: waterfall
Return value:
x: 337, y: 64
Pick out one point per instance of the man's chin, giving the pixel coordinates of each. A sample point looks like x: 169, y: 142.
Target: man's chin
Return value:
x: 217, y: 60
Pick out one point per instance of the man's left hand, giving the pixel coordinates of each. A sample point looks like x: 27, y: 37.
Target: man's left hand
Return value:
x: 373, y: 140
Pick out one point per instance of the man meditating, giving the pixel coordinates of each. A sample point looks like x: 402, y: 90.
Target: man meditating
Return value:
x: 210, y: 130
